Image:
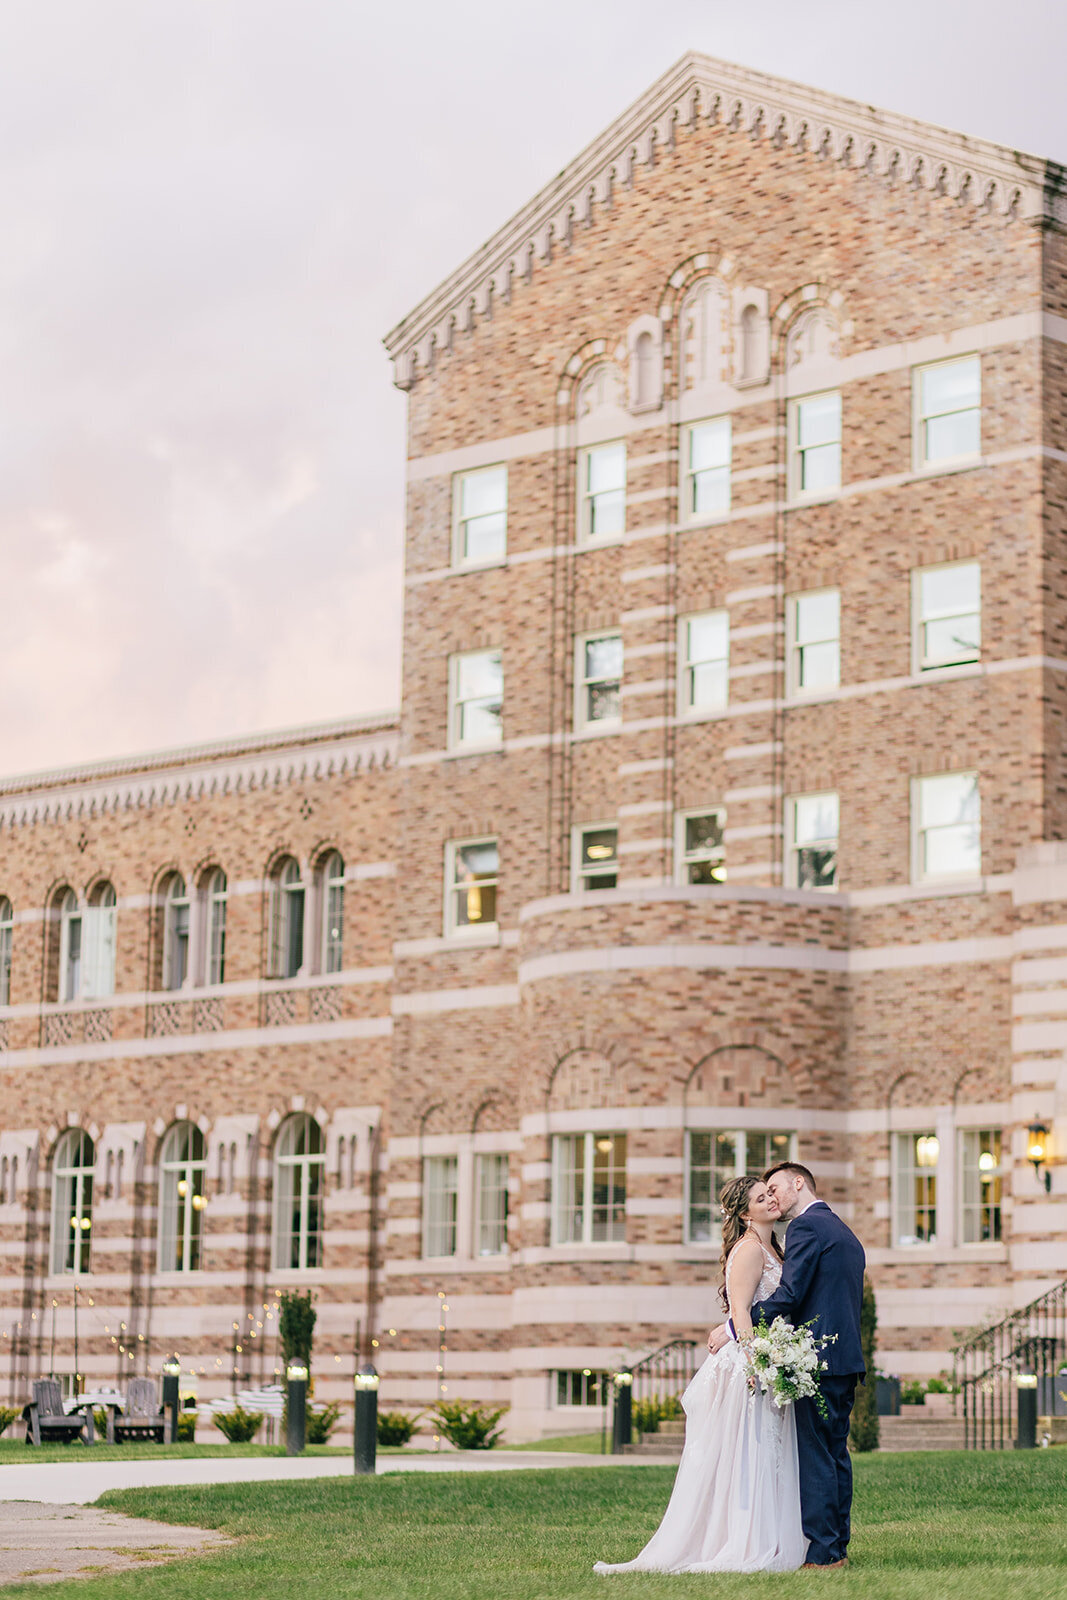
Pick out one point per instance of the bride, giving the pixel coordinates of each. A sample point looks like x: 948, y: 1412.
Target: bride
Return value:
x: 735, y: 1506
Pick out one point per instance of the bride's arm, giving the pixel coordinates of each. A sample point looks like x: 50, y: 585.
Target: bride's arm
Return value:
x: 746, y: 1269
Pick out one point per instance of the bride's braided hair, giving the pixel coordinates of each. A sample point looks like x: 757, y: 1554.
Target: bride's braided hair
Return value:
x: 733, y: 1201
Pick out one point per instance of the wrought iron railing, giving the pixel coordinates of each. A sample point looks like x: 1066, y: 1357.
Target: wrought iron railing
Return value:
x: 987, y: 1365
x: 666, y: 1372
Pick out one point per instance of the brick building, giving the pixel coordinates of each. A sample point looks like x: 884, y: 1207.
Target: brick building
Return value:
x: 722, y: 818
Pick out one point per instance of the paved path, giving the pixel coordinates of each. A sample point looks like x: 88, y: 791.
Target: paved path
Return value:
x: 81, y: 1482
x: 44, y: 1543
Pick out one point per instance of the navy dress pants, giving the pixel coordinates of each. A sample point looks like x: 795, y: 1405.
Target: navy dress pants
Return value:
x: 825, y: 1470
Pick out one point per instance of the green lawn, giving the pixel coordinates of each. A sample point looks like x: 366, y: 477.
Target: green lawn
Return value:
x: 587, y: 1444
x: 928, y: 1527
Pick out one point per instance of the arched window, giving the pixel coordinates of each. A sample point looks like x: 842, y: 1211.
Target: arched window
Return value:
x: 214, y: 890
x: 98, y: 943
x: 299, y: 1171
x: 7, y: 930
x: 175, y: 932
x: 287, y: 914
x: 72, y: 1202
x: 332, y: 911
x: 181, y: 1198
x: 70, y: 947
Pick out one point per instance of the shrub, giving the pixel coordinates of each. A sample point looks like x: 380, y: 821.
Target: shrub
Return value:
x: 396, y: 1427
x: 320, y: 1424
x: 8, y: 1415
x: 469, y: 1427
x: 648, y: 1414
x: 296, y: 1326
x: 186, y: 1427
x: 238, y: 1425
x: 864, y: 1429
x: 99, y: 1422
x: 941, y: 1386
x: 911, y: 1394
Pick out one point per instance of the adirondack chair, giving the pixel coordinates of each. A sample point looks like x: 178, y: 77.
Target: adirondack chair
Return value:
x: 46, y: 1420
x: 142, y: 1415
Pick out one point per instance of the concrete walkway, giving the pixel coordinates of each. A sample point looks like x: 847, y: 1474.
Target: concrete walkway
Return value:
x: 81, y: 1482
x: 42, y: 1544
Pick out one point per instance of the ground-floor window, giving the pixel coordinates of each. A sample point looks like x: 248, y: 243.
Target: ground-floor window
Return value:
x: 584, y: 1388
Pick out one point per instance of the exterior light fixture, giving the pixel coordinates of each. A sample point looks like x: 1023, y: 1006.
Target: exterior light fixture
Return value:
x: 622, y: 1421
x: 1037, y: 1151
x: 1026, y: 1426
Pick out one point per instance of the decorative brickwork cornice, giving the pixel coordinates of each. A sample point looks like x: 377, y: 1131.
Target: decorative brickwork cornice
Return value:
x: 753, y: 105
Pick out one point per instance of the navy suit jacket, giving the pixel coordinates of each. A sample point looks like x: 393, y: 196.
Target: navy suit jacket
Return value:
x: 822, y: 1279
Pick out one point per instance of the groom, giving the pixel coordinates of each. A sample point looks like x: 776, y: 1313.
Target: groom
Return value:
x: 822, y: 1279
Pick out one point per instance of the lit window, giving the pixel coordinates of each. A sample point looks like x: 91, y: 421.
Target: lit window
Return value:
x: 602, y: 476
x: 817, y: 444
x: 72, y: 1202
x: 948, y: 842
x: 814, y: 644
x: 813, y: 826
x: 916, y: 1188
x: 703, y: 662
x: 440, y: 1205
x: 584, y: 1388
x: 949, y: 411
x: 700, y: 853
x: 215, y: 897
x: 491, y: 1205
x: 706, y: 490
x: 287, y: 916
x: 183, y: 1165
x: 599, y: 680
x: 299, y: 1180
x: 7, y: 931
x: 175, y: 933
x: 981, y: 1186
x: 596, y: 853
x: 481, y: 515
x: 712, y: 1161
x: 588, y: 1188
x: 332, y: 911
x: 948, y: 615
x: 477, y: 696
x: 473, y: 868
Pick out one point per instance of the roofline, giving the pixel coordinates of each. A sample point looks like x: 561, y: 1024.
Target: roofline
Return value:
x: 754, y: 104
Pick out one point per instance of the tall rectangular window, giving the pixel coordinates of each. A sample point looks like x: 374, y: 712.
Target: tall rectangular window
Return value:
x: 596, y: 857
x: 712, y: 1159
x: 602, y: 491
x: 473, y: 871
x: 490, y: 1204
x: 481, y: 515
x: 816, y: 452
x: 946, y: 603
x: 948, y: 407
x: 915, y: 1196
x: 476, y: 694
x: 814, y: 625
x: 947, y: 821
x: 584, y: 1388
x: 7, y: 930
x: 440, y: 1205
x: 706, y: 488
x: 589, y: 1188
x: 981, y: 1186
x: 812, y: 823
x: 699, y: 852
x: 599, y: 680
x: 703, y: 662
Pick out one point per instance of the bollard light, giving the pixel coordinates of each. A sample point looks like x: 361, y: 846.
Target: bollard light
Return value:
x: 172, y: 1369
x: 622, y: 1422
x: 1026, y: 1433
x: 296, y: 1378
x: 365, y: 1438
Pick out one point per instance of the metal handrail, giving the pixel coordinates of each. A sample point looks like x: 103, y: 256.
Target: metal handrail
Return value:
x: 1032, y: 1339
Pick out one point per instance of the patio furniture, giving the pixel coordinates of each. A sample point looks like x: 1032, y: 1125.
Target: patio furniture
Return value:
x: 109, y: 1401
x: 47, y: 1421
x: 142, y: 1415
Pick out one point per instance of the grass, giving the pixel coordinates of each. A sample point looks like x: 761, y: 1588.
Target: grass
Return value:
x: 587, y: 1444
x: 944, y: 1526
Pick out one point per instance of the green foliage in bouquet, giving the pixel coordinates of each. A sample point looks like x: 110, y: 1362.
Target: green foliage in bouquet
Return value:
x: 783, y: 1361
x: 864, y: 1430
x: 469, y: 1427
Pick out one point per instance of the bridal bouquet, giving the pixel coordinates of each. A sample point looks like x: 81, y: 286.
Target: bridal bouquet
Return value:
x: 783, y: 1362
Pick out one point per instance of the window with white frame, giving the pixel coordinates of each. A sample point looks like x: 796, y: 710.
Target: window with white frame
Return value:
x: 589, y: 1188
x: 584, y: 1388
x: 948, y: 412
x: 182, y: 1175
x: 816, y: 444
x: 87, y: 945
x: 915, y: 1159
x: 981, y: 1185
x: 299, y: 1181
x: 331, y: 887
x: 714, y: 1159
x: 703, y: 662
x: 814, y: 641
x: 440, y: 1205
x: 176, y: 920
x: 73, y: 1167
x: 699, y: 851
x: 472, y: 868
x: 213, y: 888
x: 706, y: 483
x: 812, y: 827
x: 946, y: 603
x: 596, y: 857
x: 288, y: 900
x: 7, y: 933
x: 476, y: 694
x: 481, y: 515
x: 602, y: 491
x: 598, y: 697
x: 490, y: 1204
x: 947, y: 822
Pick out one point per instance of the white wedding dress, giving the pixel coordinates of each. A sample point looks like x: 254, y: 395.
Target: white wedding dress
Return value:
x: 735, y: 1506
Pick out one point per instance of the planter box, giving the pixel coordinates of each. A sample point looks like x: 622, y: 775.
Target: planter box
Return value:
x: 887, y: 1396
x: 939, y: 1405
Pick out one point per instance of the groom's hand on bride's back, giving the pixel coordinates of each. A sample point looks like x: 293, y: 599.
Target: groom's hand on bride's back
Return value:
x: 718, y: 1337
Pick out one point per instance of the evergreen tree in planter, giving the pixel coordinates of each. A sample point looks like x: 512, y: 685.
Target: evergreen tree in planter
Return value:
x: 296, y: 1326
x: 864, y: 1431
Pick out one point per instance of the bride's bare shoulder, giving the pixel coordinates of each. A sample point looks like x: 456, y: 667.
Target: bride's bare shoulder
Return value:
x: 747, y: 1249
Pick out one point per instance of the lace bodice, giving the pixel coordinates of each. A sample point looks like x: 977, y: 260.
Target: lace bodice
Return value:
x: 770, y: 1277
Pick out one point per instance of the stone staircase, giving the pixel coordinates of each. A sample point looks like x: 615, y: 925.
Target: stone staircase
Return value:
x: 914, y: 1429
x: 666, y: 1443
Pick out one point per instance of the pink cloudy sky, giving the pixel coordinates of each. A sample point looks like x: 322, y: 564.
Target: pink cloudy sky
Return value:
x: 213, y: 210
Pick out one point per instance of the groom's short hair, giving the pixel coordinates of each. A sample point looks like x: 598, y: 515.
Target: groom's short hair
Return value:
x: 794, y: 1167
